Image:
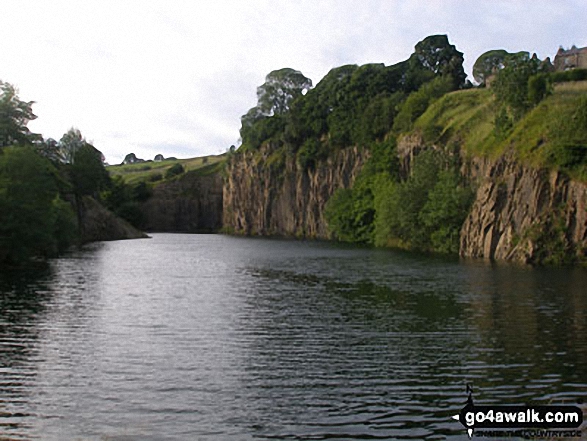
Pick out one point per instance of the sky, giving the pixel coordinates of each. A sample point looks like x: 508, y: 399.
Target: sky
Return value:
x: 175, y: 76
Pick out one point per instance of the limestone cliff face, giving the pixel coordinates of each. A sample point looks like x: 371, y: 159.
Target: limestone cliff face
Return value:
x: 189, y: 204
x: 269, y: 195
x: 524, y: 214
x: 520, y: 213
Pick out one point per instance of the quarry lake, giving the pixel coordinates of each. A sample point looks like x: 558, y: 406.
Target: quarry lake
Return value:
x: 212, y: 337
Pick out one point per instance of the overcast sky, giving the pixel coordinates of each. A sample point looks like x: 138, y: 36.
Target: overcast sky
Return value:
x: 174, y: 77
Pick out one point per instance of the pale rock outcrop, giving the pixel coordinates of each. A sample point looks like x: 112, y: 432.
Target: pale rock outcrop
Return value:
x: 268, y: 195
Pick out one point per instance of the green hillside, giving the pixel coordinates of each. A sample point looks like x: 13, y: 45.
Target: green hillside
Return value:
x: 158, y: 171
x: 552, y: 135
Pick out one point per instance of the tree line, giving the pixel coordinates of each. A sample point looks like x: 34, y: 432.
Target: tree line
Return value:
x: 43, y: 183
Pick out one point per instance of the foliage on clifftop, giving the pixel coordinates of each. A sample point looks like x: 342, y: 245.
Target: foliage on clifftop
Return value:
x: 351, y: 105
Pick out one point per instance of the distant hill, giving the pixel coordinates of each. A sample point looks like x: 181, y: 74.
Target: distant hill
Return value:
x: 154, y: 172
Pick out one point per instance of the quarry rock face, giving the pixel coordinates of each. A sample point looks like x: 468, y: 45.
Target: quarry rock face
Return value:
x: 188, y: 204
x: 268, y: 195
x: 520, y: 213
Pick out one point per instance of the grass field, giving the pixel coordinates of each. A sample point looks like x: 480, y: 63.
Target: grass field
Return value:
x: 155, y: 171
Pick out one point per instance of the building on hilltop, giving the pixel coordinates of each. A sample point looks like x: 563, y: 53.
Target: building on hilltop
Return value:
x: 574, y: 58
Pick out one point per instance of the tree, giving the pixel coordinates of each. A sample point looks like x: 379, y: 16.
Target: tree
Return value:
x: 281, y: 87
x: 70, y: 143
x: 437, y: 55
x: 488, y: 64
x: 87, y: 171
x: 131, y: 158
x: 510, y: 86
x: 51, y: 150
x: 274, y: 98
x: 34, y: 221
x: 14, y: 117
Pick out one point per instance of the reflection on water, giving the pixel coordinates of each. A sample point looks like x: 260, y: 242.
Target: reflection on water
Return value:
x: 221, y: 338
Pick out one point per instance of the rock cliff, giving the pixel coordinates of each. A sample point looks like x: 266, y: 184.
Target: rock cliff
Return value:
x: 525, y: 214
x: 192, y: 203
x: 520, y: 213
x: 266, y: 193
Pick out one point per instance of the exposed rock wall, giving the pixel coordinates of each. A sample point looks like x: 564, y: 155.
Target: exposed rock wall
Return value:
x: 189, y: 204
x: 269, y: 195
x: 520, y: 213
x: 524, y: 214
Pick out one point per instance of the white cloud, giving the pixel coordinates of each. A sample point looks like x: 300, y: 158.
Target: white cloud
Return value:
x: 175, y: 77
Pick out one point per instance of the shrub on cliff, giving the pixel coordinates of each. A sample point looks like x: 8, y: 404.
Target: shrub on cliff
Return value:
x: 520, y: 85
x: 427, y: 210
x: 350, y: 212
x: 175, y: 170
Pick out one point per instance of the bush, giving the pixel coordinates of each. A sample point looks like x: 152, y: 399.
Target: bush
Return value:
x: 569, y: 75
x: 510, y: 86
x: 175, y: 170
x: 262, y: 130
x: 156, y: 177
x: 338, y: 215
x: 427, y: 210
x: 539, y: 87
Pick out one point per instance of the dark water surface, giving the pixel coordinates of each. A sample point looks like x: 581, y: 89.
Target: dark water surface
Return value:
x: 209, y: 337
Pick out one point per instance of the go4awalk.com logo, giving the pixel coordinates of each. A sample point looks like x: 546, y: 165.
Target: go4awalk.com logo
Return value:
x: 523, y: 421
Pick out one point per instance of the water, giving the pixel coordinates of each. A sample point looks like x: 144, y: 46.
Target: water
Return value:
x: 209, y: 337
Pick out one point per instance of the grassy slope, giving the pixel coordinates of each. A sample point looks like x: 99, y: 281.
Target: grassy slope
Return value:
x: 466, y: 117
x: 144, y: 171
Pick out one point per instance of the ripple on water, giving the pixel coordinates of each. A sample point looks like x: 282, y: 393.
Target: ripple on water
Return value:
x: 219, y: 338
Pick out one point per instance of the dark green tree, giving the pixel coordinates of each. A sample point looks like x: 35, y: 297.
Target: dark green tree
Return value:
x: 274, y: 98
x: 14, y: 117
x: 489, y: 64
x: 34, y: 221
x: 427, y: 210
x: 87, y: 171
x: 436, y: 55
x: 51, y: 150
x: 510, y: 86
